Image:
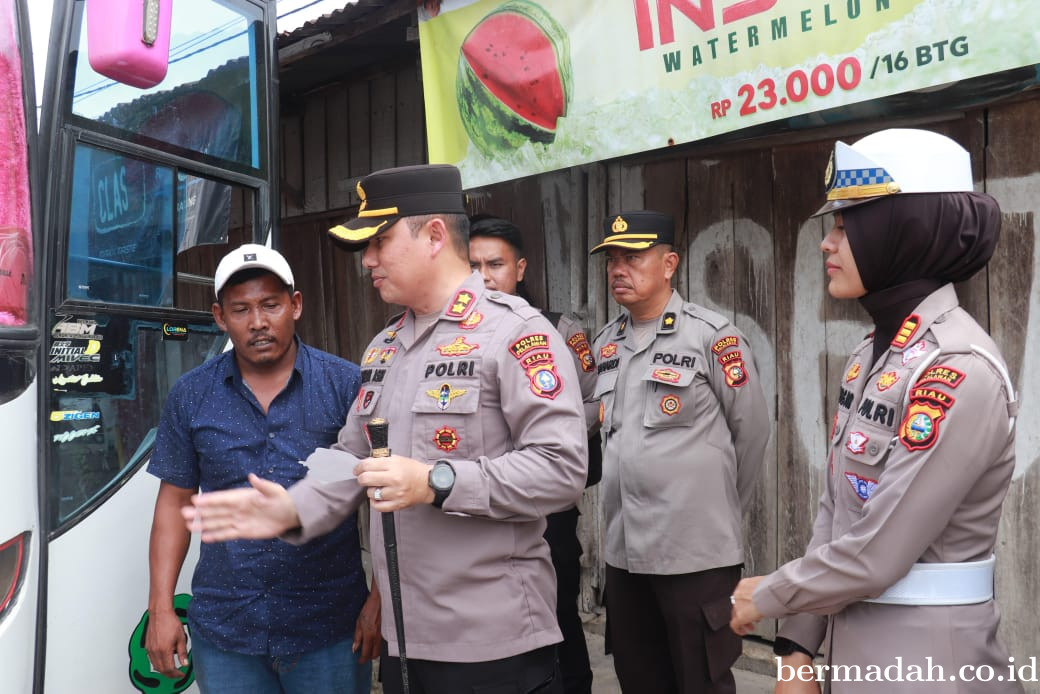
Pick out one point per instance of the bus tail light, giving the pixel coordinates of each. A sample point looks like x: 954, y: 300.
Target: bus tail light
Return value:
x: 13, y: 556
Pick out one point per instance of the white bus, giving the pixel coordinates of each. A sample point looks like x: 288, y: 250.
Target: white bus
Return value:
x: 112, y: 217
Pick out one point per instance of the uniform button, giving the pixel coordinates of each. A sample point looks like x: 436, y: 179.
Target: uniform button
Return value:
x: 271, y: 435
x: 495, y: 295
x: 872, y: 449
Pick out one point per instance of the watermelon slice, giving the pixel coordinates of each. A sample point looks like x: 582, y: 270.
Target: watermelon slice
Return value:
x: 514, y: 80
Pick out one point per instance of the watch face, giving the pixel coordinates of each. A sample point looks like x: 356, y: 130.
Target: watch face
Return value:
x: 442, y: 477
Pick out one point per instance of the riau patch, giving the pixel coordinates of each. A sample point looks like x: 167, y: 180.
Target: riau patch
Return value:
x: 731, y: 356
x: 906, y: 330
x: 456, y: 348
x: 725, y: 343
x: 853, y: 373
x: 936, y: 397
x: 887, y: 380
x: 736, y: 374
x: 446, y: 439
x: 666, y: 375
x: 471, y: 321
x: 920, y: 427
x: 857, y: 442
x: 529, y: 343
x: 445, y: 394
x: 670, y: 405
x: 371, y: 355
x: 580, y: 345
x: 914, y: 352
x: 863, y: 486
x: 545, y: 382
x: 460, y: 303
x: 387, y: 355
x: 608, y: 350
x: 941, y: 374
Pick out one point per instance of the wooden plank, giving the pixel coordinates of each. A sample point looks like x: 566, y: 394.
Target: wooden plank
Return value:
x: 566, y: 257
x: 315, y: 146
x: 341, y: 185
x: 360, y: 151
x: 382, y: 92
x: 292, y: 166
x: 1012, y: 166
x: 411, y: 117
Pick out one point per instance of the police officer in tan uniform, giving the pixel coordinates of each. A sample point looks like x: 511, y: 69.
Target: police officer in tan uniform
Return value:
x: 898, y: 577
x: 684, y: 426
x: 488, y: 435
x: 496, y: 251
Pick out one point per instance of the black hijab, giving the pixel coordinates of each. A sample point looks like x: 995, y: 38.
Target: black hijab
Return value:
x: 907, y: 246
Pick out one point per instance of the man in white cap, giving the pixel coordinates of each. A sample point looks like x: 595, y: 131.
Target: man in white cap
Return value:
x: 265, y: 616
x: 898, y: 576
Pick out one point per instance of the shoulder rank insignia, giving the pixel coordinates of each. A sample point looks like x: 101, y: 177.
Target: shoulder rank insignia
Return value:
x: 906, y: 330
x: 445, y: 394
x: 456, y: 348
x: 579, y: 344
x: 914, y: 352
x: 460, y: 303
x: 887, y: 380
x: 863, y: 486
x: 668, y: 321
x: 941, y: 374
x: 853, y: 373
x: 446, y: 439
x: 528, y: 343
x: 471, y: 321
x: 621, y: 328
x: 670, y: 405
x: 725, y: 343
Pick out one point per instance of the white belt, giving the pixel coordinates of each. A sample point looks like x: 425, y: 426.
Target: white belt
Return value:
x: 962, y: 583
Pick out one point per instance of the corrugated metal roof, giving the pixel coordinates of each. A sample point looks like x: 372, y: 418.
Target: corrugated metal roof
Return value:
x: 351, y: 13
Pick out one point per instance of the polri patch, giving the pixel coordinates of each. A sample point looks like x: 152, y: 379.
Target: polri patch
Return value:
x: 887, y: 380
x: 907, y: 330
x: 545, y: 382
x: 460, y: 303
x: 670, y: 405
x: 445, y: 394
x: 446, y: 439
x: 529, y: 343
x: 456, y: 348
x: 725, y: 343
x: 920, y: 428
x: 579, y: 344
x: 736, y: 374
x: 863, y: 486
x: 941, y: 374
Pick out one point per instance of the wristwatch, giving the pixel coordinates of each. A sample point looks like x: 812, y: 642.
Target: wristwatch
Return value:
x: 442, y: 479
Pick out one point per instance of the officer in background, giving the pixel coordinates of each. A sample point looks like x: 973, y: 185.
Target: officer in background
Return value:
x: 496, y: 251
x: 684, y: 426
x: 899, y: 570
x: 487, y: 433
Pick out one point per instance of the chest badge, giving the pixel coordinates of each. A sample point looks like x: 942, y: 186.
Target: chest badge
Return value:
x: 446, y: 439
x: 857, y: 442
x: 853, y: 373
x: 863, y: 486
x: 387, y: 355
x: 914, y: 352
x: 457, y: 348
x: 887, y: 380
x: 666, y: 375
x: 445, y: 394
x: 670, y: 405
x: 608, y: 350
x: 471, y: 321
x: 371, y: 355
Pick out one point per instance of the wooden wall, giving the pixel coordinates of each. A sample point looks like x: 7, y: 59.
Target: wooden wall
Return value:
x: 750, y: 251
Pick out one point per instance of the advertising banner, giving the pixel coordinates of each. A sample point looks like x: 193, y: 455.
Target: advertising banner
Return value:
x: 518, y: 87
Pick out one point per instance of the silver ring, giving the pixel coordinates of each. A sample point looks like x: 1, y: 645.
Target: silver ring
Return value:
x: 378, y: 494
x: 732, y: 599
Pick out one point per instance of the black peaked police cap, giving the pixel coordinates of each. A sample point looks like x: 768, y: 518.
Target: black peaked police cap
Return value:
x: 637, y: 230
x: 405, y: 191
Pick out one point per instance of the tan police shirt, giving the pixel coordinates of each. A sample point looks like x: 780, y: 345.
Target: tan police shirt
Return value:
x: 488, y: 387
x: 684, y: 426
x: 921, y: 455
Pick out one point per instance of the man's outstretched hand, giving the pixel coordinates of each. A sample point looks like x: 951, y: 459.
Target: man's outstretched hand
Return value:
x: 262, y: 511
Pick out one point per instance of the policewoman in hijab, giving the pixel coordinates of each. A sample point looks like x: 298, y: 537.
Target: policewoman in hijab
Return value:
x: 899, y: 571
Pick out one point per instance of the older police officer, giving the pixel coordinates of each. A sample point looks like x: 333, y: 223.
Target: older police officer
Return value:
x: 685, y: 427
x: 488, y: 432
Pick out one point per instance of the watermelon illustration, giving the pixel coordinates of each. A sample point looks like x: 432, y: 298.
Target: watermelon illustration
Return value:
x: 514, y: 79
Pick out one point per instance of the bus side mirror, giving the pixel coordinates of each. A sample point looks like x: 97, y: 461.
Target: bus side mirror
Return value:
x: 129, y: 40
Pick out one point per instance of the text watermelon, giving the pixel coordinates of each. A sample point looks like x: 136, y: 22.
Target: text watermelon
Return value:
x: 514, y: 79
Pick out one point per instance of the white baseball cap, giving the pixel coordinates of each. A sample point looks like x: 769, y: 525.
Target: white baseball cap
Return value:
x: 251, y: 255
x: 891, y: 162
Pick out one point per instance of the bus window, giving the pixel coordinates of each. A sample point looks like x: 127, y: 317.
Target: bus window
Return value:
x: 109, y: 376
x: 208, y: 101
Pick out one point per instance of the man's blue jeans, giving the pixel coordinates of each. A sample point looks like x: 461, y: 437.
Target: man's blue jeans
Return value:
x: 331, y: 670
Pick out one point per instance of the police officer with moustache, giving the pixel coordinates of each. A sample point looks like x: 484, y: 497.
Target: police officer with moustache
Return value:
x: 487, y: 433
x: 684, y: 426
x: 496, y: 251
x: 899, y: 571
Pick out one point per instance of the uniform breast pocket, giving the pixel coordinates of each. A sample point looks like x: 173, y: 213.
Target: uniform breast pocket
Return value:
x: 671, y: 397
x: 446, y: 423
x: 864, y: 449
x: 604, y: 392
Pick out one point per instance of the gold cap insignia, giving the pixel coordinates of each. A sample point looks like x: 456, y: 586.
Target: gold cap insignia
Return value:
x: 619, y: 226
x: 361, y: 194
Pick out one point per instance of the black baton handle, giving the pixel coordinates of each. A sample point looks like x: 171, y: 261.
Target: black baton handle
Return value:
x: 378, y: 438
